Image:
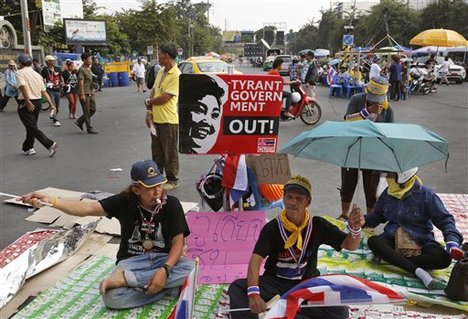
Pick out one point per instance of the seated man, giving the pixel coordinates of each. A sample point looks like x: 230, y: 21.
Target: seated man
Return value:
x: 153, y: 227
x: 286, y: 95
x: 410, y: 210
x: 291, y: 242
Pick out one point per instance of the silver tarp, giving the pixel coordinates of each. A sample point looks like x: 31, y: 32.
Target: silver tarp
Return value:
x: 40, y: 257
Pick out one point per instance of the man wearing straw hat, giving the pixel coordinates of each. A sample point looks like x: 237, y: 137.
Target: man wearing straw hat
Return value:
x: 371, y: 105
x: 291, y: 243
x: 153, y: 227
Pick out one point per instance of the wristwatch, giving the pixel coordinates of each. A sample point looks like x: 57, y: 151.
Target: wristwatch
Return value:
x: 168, y: 269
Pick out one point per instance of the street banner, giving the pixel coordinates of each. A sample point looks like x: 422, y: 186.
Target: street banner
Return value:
x: 224, y: 242
x: 229, y: 113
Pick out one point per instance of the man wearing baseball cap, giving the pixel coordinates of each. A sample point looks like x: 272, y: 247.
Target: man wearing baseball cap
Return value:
x: 290, y: 243
x: 51, y: 76
x: 153, y: 227
x: 371, y: 105
x: 31, y: 89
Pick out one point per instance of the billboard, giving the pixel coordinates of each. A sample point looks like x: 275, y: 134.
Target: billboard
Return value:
x: 229, y: 113
x: 85, y: 32
x: 50, y: 12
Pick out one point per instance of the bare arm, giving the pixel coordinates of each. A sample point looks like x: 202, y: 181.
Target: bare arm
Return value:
x: 164, y: 98
x: 46, y: 96
x: 158, y: 281
x: 70, y: 207
x: 256, y: 303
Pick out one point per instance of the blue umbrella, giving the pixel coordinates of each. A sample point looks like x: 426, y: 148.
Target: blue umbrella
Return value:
x: 364, y: 144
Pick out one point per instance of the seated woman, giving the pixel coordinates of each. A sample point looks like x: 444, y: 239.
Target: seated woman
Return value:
x: 410, y: 210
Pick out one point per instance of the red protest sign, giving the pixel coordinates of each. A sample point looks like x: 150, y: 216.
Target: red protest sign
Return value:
x: 229, y: 113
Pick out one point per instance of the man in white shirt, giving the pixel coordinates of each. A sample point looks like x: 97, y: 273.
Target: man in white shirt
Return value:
x: 139, y: 73
x: 375, y: 68
x: 444, y: 69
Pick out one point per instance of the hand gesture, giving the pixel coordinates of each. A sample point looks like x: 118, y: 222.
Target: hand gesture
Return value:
x: 375, y: 108
x: 257, y: 304
x: 157, y: 282
x: 454, y: 250
x: 355, y: 218
x: 29, y: 105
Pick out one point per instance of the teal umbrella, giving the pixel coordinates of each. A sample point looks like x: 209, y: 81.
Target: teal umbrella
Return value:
x: 364, y: 144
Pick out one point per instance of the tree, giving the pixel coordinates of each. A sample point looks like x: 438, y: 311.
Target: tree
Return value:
x: 445, y: 14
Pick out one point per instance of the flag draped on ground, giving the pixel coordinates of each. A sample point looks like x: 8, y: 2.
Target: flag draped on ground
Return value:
x: 184, y: 307
x: 331, y: 290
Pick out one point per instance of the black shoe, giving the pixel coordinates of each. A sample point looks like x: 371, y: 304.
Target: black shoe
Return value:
x: 91, y: 131
x: 79, y: 125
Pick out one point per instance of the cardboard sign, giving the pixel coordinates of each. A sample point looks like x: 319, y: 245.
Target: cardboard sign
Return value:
x: 229, y: 113
x: 224, y: 243
x: 270, y: 168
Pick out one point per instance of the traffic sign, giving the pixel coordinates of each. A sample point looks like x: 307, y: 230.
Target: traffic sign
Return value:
x: 348, y: 39
x: 149, y: 50
x: 180, y: 51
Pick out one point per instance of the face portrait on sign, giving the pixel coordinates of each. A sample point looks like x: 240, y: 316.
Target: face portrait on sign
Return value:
x: 200, y: 111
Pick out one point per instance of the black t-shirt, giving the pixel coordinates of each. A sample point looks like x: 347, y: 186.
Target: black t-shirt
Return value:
x: 169, y: 222
x: 71, y: 79
x: 52, y: 78
x: 280, y: 262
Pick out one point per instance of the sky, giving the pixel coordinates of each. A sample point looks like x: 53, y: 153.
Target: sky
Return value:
x: 247, y: 14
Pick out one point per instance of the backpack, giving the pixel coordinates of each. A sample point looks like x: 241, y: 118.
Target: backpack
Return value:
x: 150, y: 75
x: 457, y: 287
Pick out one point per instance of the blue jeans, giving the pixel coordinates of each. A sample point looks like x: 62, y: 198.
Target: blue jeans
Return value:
x: 55, y: 97
x: 137, y: 271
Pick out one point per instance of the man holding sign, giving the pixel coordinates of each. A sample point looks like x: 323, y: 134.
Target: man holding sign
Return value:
x: 291, y: 243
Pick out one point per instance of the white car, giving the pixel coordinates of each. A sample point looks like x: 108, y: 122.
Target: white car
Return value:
x: 456, y: 72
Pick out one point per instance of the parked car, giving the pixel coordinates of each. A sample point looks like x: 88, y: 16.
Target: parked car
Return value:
x: 199, y: 65
x: 287, y: 60
x: 456, y: 72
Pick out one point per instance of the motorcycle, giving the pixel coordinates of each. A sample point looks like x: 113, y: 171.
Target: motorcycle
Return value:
x: 303, y: 106
x: 422, y: 81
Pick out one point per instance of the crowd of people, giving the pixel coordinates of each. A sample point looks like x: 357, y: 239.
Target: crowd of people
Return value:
x: 151, y: 262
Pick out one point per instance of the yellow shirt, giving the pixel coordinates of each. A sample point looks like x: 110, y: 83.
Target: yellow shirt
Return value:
x: 167, y: 83
x: 352, y: 73
x: 32, y: 82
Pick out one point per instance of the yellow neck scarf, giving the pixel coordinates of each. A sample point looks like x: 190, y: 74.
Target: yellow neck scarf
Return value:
x: 296, y: 232
x: 395, y: 190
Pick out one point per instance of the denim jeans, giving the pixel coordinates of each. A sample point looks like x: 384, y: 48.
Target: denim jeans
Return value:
x: 137, y: 271
x: 55, y: 97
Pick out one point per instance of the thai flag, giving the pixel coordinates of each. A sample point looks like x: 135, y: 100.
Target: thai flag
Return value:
x: 331, y: 290
x: 184, y: 307
x: 235, y: 177
x: 330, y: 73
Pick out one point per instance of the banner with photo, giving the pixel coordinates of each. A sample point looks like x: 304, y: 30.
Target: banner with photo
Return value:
x: 229, y: 113
x: 85, y: 32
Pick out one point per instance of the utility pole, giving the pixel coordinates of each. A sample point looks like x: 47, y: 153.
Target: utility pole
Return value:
x: 26, y: 27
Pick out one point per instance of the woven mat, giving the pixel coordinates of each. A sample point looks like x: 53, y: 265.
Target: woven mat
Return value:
x: 77, y: 296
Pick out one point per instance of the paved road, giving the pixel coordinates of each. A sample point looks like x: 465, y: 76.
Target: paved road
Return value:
x: 83, y: 161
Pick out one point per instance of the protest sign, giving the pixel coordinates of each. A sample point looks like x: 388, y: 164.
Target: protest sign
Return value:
x: 229, y: 113
x: 224, y: 243
x: 270, y: 168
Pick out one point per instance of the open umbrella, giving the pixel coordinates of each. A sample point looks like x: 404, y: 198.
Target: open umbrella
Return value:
x: 388, y: 147
x: 439, y: 37
x: 302, y: 52
x: 334, y: 61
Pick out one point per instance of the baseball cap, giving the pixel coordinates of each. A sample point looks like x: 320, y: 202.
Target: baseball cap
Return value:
x: 147, y: 174
x: 11, y: 62
x: 49, y: 58
x: 25, y: 58
x: 299, y: 182
x: 377, y: 89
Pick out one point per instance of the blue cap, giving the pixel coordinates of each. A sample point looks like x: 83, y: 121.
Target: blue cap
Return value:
x: 25, y: 59
x: 147, y: 174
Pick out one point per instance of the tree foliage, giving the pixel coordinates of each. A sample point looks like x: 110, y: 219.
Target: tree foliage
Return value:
x: 447, y: 14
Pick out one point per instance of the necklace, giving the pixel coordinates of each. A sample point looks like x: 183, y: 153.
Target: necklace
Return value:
x: 148, y: 227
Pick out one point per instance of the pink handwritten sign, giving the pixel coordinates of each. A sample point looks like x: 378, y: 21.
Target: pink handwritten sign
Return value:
x: 224, y: 243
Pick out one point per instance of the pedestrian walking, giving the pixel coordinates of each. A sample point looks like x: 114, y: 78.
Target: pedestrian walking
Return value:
x: 395, y: 78
x: 98, y: 70
x: 51, y: 76
x: 444, y: 69
x: 31, y: 89
x: 87, y: 96
x: 11, y: 85
x: 162, y: 115
x: 71, y: 87
x: 310, y: 74
x: 139, y: 71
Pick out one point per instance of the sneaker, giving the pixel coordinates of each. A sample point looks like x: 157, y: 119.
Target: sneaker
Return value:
x: 57, y: 123
x: 170, y: 186
x: 53, y: 149
x: 31, y: 151
x: 287, y: 114
x: 92, y: 131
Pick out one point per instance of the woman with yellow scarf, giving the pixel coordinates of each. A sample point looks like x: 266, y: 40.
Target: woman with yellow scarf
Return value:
x: 410, y: 211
